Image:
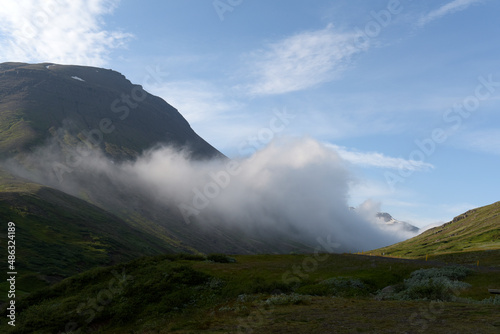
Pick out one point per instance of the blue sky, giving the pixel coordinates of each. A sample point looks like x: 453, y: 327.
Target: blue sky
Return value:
x: 407, y: 92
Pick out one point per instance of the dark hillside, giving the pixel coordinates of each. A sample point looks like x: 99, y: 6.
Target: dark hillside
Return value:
x: 96, y: 105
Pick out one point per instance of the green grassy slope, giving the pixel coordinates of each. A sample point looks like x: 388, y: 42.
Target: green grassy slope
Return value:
x: 58, y: 235
x: 475, y: 230
x: 186, y: 294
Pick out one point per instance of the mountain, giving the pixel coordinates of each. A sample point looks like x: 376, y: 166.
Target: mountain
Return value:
x: 388, y: 221
x: 69, y: 230
x: 59, y: 235
x: 48, y: 112
x: 474, y: 230
x: 95, y: 105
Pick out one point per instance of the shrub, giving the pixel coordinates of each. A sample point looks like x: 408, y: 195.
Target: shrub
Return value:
x: 216, y: 283
x: 439, y: 288
x: 450, y: 272
x: 260, y: 285
x: 187, y: 275
x: 336, y: 286
x: 431, y: 284
x: 244, y: 298
x: 291, y: 299
x: 491, y: 301
x: 220, y: 258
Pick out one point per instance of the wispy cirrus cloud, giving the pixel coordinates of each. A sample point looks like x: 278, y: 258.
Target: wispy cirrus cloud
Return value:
x: 209, y: 109
x: 379, y: 160
x: 303, y: 60
x: 484, y: 140
x: 199, y: 101
x: 61, y: 31
x: 449, y: 8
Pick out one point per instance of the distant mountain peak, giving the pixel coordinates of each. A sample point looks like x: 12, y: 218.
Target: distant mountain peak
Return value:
x: 385, y: 216
x: 386, y: 219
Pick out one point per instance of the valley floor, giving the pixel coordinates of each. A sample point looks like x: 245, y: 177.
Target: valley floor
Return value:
x: 347, y: 315
x: 321, y: 293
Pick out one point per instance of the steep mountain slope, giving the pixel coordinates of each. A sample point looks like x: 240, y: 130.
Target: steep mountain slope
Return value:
x: 477, y: 229
x: 98, y: 106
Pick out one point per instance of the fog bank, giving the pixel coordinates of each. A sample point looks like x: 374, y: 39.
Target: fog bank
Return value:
x: 293, y: 188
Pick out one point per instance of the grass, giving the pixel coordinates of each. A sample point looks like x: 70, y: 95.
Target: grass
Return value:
x: 490, y: 257
x: 191, y: 294
x: 476, y: 230
x: 15, y: 132
x: 58, y: 235
x: 343, y: 315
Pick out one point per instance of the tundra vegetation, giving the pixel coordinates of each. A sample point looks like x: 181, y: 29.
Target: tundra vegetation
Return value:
x: 216, y: 293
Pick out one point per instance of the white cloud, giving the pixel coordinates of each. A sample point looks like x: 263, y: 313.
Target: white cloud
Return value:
x: 198, y: 101
x: 59, y: 31
x: 210, y: 111
x: 449, y: 8
x: 379, y: 160
x: 484, y: 140
x: 303, y: 60
x: 369, y: 209
x: 291, y: 189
